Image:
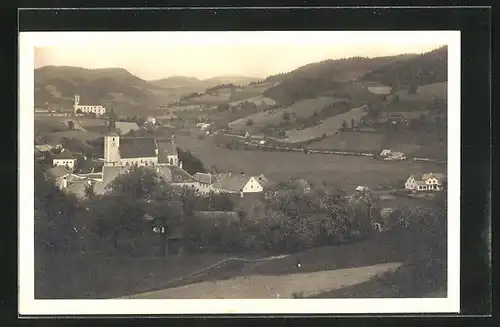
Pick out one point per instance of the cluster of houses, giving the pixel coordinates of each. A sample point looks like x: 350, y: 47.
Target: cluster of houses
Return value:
x: 123, y: 153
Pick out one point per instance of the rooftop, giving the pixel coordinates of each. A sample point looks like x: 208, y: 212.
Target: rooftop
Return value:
x: 231, y: 182
x: 138, y: 147
x: 203, y: 178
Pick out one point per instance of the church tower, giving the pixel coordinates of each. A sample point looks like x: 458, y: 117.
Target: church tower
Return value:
x: 76, y: 102
x: 111, y: 149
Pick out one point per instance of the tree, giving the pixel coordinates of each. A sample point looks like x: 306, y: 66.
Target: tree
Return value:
x: 249, y: 122
x: 54, y: 213
x: 71, y: 124
x: 190, y: 163
x: 137, y: 183
x: 353, y: 123
x: 79, y: 111
x: 286, y: 116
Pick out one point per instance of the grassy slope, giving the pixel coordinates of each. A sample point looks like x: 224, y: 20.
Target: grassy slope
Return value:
x: 302, y: 109
x: 342, y: 171
x: 109, y: 87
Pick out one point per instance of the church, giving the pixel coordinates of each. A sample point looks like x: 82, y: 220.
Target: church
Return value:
x: 98, y: 110
x: 139, y: 151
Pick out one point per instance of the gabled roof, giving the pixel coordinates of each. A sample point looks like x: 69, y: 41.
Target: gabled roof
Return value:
x: 179, y: 175
x: 231, y: 182
x: 138, y: 147
x: 65, y: 155
x: 57, y: 172
x: 203, y: 178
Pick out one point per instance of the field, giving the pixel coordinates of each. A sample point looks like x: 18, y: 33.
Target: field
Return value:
x: 328, y: 126
x: 49, y: 124
x: 209, y: 99
x: 426, y: 92
x: 341, y: 171
x: 250, y: 91
x: 302, y: 109
x: 351, y: 141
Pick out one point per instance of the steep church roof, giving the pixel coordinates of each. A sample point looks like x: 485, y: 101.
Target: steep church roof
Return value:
x: 137, y: 147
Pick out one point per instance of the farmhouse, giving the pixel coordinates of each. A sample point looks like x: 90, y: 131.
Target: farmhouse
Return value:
x: 426, y: 182
x: 65, y: 158
x: 98, y: 110
x: 239, y: 183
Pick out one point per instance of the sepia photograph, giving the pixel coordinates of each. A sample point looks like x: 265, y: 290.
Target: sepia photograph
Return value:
x: 246, y: 172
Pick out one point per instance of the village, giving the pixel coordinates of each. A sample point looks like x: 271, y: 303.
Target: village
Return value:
x: 197, y: 188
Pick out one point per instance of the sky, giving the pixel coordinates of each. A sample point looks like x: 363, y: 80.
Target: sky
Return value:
x: 203, y: 55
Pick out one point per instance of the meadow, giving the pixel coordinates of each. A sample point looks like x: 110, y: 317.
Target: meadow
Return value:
x: 340, y: 171
x: 302, y: 109
x: 328, y: 126
x: 426, y: 92
x: 351, y: 141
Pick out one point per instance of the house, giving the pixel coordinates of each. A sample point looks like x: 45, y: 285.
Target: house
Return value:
x: 98, y: 110
x: 426, y: 182
x: 65, y: 158
x: 123, y: 127
x: 239, y: 183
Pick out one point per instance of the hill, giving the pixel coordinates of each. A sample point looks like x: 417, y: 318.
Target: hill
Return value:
x: 428, y: 68
x: 236, y: 80
x: 111, y: 87
x: 315, y: 79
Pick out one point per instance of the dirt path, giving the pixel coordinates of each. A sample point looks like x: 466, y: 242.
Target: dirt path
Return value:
x: 278, y: 286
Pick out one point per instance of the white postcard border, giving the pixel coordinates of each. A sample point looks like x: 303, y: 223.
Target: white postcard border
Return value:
x: 29, y: 306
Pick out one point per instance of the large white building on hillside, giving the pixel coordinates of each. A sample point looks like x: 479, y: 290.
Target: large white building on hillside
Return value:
x: 87, y: 109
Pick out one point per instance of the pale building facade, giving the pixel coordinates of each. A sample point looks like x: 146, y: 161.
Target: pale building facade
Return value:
x: 425, y: 182
x: 98, y: 110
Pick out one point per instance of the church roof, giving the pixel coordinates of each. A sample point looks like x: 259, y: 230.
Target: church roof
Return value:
x: 138, y: 147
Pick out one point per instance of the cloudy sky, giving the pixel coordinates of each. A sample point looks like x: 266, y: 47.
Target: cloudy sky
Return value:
x: 203, y: 55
